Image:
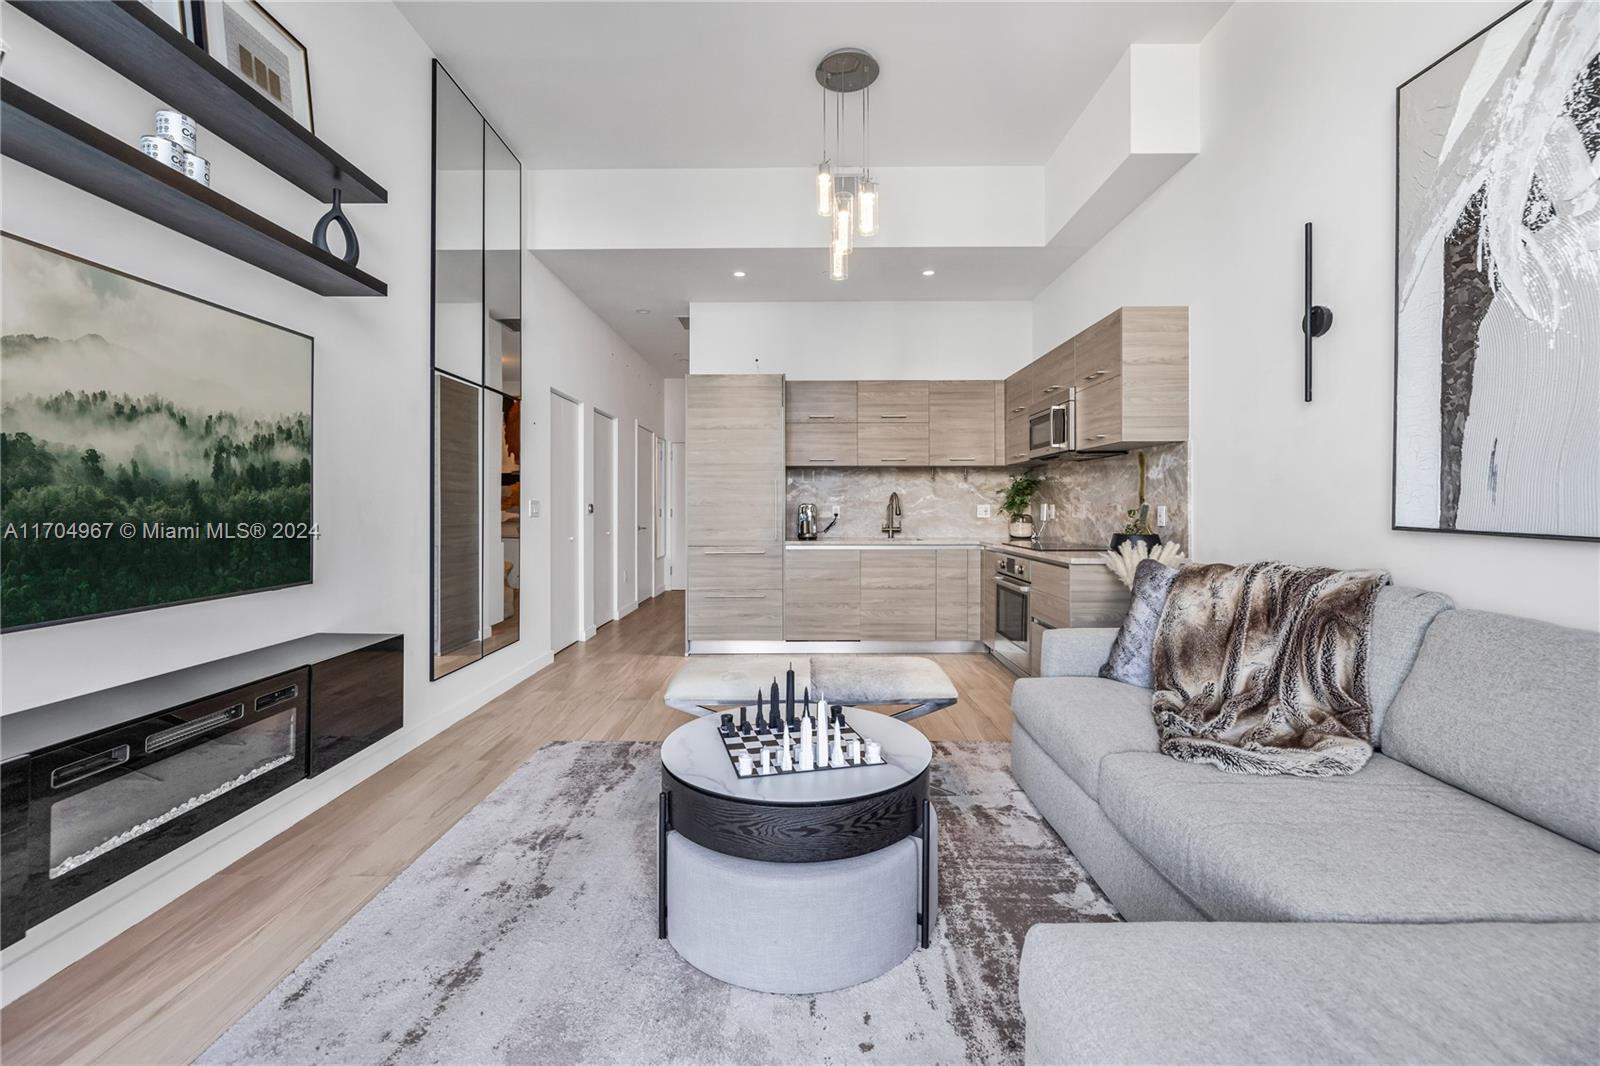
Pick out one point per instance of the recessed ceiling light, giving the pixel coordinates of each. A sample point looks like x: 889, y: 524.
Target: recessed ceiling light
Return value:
x: 641, y: 310
x: 738, y: 273
x: 927, y: 273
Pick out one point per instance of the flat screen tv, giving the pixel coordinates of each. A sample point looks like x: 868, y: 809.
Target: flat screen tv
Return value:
x: 155, y: 449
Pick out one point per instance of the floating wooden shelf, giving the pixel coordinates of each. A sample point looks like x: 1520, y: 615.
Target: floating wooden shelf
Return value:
x: 42, y: 135
x: 132, y: 40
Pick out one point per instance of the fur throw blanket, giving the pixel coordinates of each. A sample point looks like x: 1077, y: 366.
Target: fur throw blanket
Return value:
x: 1263, y: 669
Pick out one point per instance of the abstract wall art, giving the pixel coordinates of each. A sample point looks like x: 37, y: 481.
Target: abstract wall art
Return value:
x: 1497, y: 270
x: 154, y: 449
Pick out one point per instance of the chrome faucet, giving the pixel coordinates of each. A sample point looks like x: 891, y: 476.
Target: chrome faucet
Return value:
x: 891, y: 515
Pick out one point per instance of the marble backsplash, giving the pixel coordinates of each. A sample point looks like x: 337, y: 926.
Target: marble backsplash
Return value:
x: 1090, y: 498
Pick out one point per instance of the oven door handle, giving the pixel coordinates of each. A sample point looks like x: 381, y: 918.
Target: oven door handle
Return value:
x: 179, y: 733
x: 72, y: 773
x: 1007, y: 583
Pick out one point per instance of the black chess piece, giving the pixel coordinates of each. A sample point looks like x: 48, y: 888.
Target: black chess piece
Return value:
x: 744, y: 720
x: 774, y: 692
x: 758, y: 708
x: 789, y: 686
x: 761, y: 721
x: 726, y: 728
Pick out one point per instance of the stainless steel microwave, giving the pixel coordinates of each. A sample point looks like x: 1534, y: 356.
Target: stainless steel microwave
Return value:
x: 1054, y: 429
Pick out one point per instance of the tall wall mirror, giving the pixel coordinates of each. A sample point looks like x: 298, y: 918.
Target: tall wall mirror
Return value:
x: 477, y: 384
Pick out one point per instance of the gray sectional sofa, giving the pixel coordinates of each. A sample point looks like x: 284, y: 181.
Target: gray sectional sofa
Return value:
x: 1445, y: 900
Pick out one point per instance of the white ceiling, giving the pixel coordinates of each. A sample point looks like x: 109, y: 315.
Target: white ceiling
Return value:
x: 645, y: 85
x: 617, y: 283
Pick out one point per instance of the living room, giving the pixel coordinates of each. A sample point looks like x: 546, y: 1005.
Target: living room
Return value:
x: 1147, y: 455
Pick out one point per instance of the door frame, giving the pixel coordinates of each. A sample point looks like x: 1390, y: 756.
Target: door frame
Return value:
x: 577, y: 459
x: 606, y: 614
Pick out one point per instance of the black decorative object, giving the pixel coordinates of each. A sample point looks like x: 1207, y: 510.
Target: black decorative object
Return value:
x: 774, y: 692
x: 726, y: 726
x: 1316, y: 321
x: 1149, y: 540
x: 744, y: 720
x: 336, y: 215
x: 789, y: 690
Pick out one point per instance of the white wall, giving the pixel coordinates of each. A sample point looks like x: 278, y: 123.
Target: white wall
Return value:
x: 1290, y: 135
x: 371, y: 76
x: 863, y: 339
x: 567, y: 347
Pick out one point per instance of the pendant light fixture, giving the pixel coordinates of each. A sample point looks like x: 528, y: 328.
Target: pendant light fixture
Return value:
x: 846, y: 195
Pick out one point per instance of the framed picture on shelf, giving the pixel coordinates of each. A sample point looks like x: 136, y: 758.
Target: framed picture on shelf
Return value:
x: 174, y: 13
x: 241, y: 35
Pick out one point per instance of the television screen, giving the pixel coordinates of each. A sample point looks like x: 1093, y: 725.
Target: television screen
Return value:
x: 154, y: 449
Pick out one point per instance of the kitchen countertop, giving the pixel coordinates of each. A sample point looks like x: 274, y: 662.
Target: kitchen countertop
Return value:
x: 1058, y: 558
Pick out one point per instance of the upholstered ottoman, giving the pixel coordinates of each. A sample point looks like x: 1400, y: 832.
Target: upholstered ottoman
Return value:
x: 704, y: 682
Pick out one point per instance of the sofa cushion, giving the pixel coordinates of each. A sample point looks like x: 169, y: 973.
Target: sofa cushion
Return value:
x: 1509, y: 710
x: 1270, y: 993
x: 1388, y: 844
x: 1129, y: 661
x: 1080, y: 720
x: 1400, y: 618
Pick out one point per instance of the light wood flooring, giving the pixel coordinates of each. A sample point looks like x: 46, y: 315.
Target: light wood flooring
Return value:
x: 165, y: 989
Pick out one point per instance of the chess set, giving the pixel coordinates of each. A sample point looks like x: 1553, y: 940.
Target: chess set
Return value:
x: 793, y: 738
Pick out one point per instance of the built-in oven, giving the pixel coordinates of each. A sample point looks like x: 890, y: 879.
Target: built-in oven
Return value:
x: 1054, y: 429
x: 1011, y: 637
x: 106, y: 804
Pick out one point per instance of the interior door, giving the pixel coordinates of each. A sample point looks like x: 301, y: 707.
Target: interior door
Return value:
x: 566, y: 455
x: 603, y: 531
x: 644, y: 509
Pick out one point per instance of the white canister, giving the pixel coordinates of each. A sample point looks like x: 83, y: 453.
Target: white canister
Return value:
x: 198, y: 168
x: 176, y: 127
x: 164, y: 150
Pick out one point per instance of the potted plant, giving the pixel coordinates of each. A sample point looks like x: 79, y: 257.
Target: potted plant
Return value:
x: 1016, y: 500
x: 1137, y: 529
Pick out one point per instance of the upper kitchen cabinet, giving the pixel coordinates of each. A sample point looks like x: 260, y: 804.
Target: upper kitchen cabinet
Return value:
x: 1132, y: 376
x: 1019, y: 392
x: 961, y: 423
x: 735, y: 460
x: 821, y: 401
x: 892, y: 401
x: 1052, y: 378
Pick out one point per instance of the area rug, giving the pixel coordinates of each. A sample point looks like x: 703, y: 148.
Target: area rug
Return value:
x: 527, y: 934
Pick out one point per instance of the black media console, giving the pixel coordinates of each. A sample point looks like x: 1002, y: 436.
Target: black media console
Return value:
x: 94, y: 787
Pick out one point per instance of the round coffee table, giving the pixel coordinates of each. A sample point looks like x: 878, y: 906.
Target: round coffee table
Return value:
x: 800, y: 882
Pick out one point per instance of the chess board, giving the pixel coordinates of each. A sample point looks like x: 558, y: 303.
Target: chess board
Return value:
x: 753, y: 742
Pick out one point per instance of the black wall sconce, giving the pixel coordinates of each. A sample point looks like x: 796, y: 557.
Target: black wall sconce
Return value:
x: 1318, y: 319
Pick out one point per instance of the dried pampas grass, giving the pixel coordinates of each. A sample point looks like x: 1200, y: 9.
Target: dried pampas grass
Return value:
x: 1126, y: 559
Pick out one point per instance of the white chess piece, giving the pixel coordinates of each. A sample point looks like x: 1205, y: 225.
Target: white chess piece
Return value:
x: 766, y: 760
x: 855, y: 751
x: 786, y: 760
x: 744, y: 764
x: 874, y: 752
x: 822, y: 742
x: 807, y: 757
x: 805, y: 740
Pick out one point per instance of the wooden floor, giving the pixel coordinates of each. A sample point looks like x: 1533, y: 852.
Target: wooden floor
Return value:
x: 165, y: 989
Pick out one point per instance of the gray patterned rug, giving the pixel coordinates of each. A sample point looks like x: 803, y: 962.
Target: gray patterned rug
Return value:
x: 527, y: 934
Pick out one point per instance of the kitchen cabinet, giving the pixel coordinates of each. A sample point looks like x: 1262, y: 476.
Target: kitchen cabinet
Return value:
x: 892, y: 401
x: 892, y: 444
x: 1052, y: 379
x: 1019, y: 392
x: 951, y: 592
x: 988, y: 562
x: 734, y: 489
x: 821, y: 401
x: 1133, y: 379
x: 1051, y: 598
x: 1099, y: 598
x: 898, y: 600
x: 822, y: 594
x: 820, y: 444
x: 961, y: 423
x: 1016, y: 439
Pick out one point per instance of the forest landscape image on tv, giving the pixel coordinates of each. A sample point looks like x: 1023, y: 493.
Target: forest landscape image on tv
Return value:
x: 154, y: 449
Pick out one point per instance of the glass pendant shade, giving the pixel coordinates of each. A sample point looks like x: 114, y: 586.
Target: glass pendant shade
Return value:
x: 867, y: 207
x: 844, y: 221
x: 838, y: 262
x: 824, y: 189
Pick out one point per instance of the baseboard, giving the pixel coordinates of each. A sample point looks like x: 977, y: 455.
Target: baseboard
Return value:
x: 64, y: 938
x: 836, y: 647
x: 628, y: 609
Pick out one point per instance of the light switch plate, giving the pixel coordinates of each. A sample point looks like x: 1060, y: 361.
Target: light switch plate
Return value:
x: 985, y: 510
x: 1161, y: 516
x: 533, y: 508
x: 836, y: 510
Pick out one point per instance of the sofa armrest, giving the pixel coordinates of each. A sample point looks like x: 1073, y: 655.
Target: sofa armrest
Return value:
x: 1075, y: 652
x: 1311, y: 992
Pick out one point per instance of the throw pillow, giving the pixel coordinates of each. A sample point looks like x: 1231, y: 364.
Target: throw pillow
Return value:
x: 1130, y: 652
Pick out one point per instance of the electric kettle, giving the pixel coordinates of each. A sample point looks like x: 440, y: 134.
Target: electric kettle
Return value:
x: 806, y: 521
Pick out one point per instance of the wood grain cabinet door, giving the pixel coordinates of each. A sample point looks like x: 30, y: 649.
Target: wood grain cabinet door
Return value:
x: 892, y: 401
x: 1099, y: 351
x: 734, y: 454
x: 961, y: 423
x: 821, y: 401
x: 892, y: 444
x: 1017, y: 395
x: 1100, y: 416
x: 950, y: 594
x: 897, y: 594
x: 987, y: 596
x: 821, y: 444
x: 1053, y: 379
x: 1016, y: 440
x: 734, y: 614
x: 822, y: 594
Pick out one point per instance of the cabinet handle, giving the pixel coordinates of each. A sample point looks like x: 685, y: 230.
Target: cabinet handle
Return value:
x: 894, y: 416
x: 1016, y: 410
x: 1096, y: 374
x: 733, y: 551
x: 1020, y: 455
x: 734, y: 595
x: 1098, y: 436
x: 1048, y: 389
x: 819, y: 418
x: 890, y: 459
x: 962, y: 459
x: 815, y: 460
